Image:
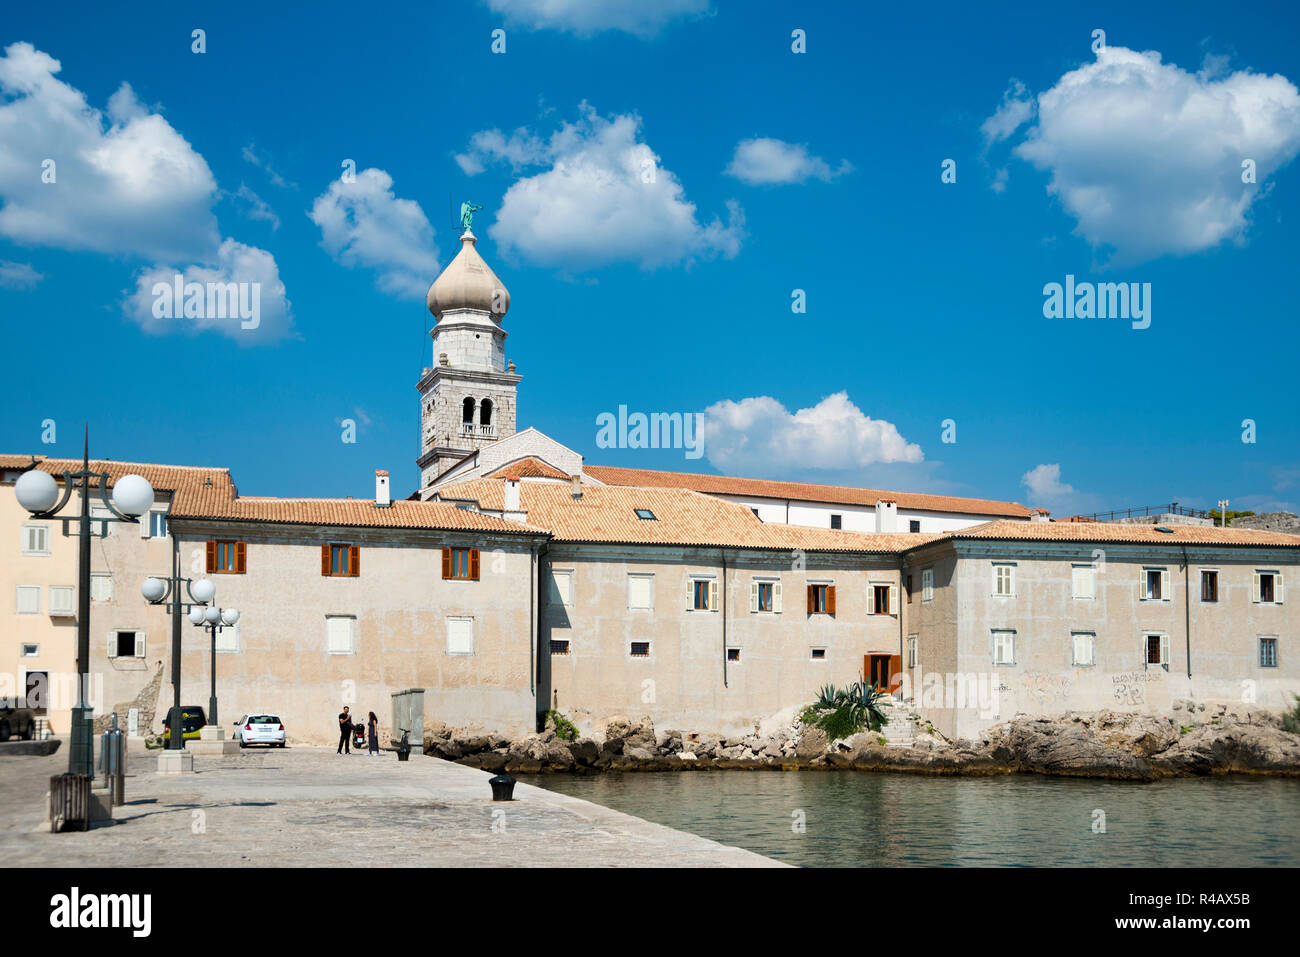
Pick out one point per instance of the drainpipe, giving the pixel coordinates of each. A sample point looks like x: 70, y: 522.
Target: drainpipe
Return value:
x: 1187, y: 616
x: 724, y: 619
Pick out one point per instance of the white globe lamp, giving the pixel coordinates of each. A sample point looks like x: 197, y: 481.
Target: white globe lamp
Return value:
x: 37, y: 491
x: 132, y: 495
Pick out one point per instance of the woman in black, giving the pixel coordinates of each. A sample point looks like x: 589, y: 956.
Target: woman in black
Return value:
x: 372, y: 734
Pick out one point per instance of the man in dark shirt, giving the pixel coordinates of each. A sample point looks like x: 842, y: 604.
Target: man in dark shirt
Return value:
x: 345, y: 731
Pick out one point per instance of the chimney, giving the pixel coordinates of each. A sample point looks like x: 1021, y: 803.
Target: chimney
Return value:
x: 577, y: 487
x: 886, y: 515
x: 382, y: 498
x: 512, y: 495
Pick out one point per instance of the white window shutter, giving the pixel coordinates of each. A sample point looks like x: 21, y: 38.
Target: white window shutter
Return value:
x: 112, y: 644
x: 871, y: 599
x: 1164, y: 650
x: 1254, y: 595
x: 690, y: 594
x: 1277, y: 588
x: 713, y: 596
x: 753, y: 596
x: 776, y: 597
x: 893, y: 599
x: 139, y: 644
x: 1165, y: 594
x: 146, y: 524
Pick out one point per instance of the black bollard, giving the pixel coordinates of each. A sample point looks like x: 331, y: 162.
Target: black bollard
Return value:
x: 503, y: 787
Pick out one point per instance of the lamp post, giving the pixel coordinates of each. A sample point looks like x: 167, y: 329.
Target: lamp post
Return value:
x: 212, y: 619
x: 167, y: 592
x: 38, y: 492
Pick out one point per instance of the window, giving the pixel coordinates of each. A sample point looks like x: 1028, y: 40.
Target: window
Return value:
x: 911, y: 651
x: 1268, y: 588
x: 640, y: 649
x: 467, y: 411
x: 927, y: 584
x: 157, y: 525
x: 765, y: 596
x: 837, y: 521
x: 733, y: 654
x: 1155, y: 584
x: 1081, y: 648
x: 1209, y: 585
x: 62, y: 600
x: 340, y: 561
x: 1267, y: 651
x: 460, y: 564
x: 226, y: 558
x: 36, y: 539
x: 99, y: 528
x: 884, y: 600
x: 31, y: 651
x: 640, y: 592
x: 646, y: 514
x: 818, y: 654
x: 340, y: 634
x: 559, y: 647
x: 460, y: 636
x: 821, y: 599
x: 1004, y: 647
x: 1083, y: 581
x: 1004, y: 580
x: 485, y: 412
x: 228, y: 638
x: 701, y: 594
x: 914, y: 525
x: 561, y: 589
x: 126, y: 644
x: 1157, y: 650
x: 29, y: 599
x: 101, y: 586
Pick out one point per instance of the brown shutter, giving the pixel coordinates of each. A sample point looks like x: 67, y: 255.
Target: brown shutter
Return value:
x: 810, y: 599
x: 446, y: 563
x: 324, y: 559
x: 473, y: 564
x: 354, y: 561
x: 895, y: 672
x: 830, y: 599
x: 212, y: 557
x: 240, y: 556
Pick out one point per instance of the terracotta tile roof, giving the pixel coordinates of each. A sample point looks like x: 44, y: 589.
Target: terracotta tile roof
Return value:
x: 607, y: 513
x: 165, y: 478
x: 530, y: 467
x: 1126, y: 533
x: 802, y: 491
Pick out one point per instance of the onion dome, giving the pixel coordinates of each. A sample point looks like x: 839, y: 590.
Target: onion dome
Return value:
x: 468, y: 283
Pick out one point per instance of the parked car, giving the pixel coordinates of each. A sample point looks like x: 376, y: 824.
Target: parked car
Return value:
x: 265, y: 729
x: 193, y: 718
x: 16, y: 718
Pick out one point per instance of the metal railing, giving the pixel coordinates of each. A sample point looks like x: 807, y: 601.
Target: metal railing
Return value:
x: 1173, y: 508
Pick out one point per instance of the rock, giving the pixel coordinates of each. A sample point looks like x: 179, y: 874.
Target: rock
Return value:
x: 492, y: 760
x: 642, y: 737
x: 638, y: 754
x: 812, y: 743
x: 617, y: 727
x: 585, y: 751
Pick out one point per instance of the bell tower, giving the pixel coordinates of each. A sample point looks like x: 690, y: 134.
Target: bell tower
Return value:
x: 467, y: 399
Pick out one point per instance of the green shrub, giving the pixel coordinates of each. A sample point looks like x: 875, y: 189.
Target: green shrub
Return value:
x: 841, y: 712
x: 564, y: 728
x: 1291, y: 720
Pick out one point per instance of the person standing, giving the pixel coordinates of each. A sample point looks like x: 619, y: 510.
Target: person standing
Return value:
x: 345, y: 731
x: 372, y: 734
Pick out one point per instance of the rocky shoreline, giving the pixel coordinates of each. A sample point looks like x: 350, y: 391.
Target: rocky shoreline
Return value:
x: 1190, y: 740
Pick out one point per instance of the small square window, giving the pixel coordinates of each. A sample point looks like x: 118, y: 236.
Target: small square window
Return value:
x: 1267, y: 652
x: 1157, y: 650
x: 157, y: 524
x: 1083, y: 581
x: 1004, y: 580
x: 1153, y: 584
x: 340, y: 634
x: 1268, y: 588
x: 646, y: 514
x: 640, y: 649
x: 837, y: 521
x: 733, y: 654
x: 101, y: 586
x: 1209, y: 585
x: 1004, y: 647
x: 559, y: 647
x: 29, y: 599
x: 914, y: 525
x: 818, y: 654
x: 460, y: 636
x: 1082, y: 646
x: 31, y: 651
x: 36, y: 539
x: 927, y: 584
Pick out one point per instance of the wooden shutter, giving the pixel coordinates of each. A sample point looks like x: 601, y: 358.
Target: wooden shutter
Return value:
x: 753, y: 596
x: 1165, y: 593
x: 1254, y: 594
x: 446, y: 563
x: 354, y: 561
x: 830, y: 599
x: 893, y: 600
x: 325, y: 560
x: 212, y: 557
x: 811, y: 600
x: 776, y: 597
x: 713, y: 595
x: 895, y: 672
x: 1164, y: 650
x: 139, y: 644
x: 473, y: 564
x: 241, y: 553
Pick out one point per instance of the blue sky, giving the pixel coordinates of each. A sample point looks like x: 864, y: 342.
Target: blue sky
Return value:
x: 773, y: 171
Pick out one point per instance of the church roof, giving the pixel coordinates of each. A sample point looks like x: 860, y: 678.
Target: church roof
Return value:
x: 468, y: 283
x: 528, y: 467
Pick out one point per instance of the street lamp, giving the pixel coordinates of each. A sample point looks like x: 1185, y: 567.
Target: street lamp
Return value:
x: 38, y: 492
x: 213, y: 619
x: 167, y: 592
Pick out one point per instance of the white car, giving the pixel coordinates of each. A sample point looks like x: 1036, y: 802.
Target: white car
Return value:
x: 260, y: 729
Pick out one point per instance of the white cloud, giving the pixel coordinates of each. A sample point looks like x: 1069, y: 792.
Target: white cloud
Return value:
x: 1017, y: 108
x: 759, y: 436
x: 605, y: 199
x: 18, y: 275
x: 1044, y: 483
x: 255, y: 269
x: 585, y: 17
x: 764, y: 161
x: 254, y: 207
x: 1148, y: 157
x: 251, y: 155
x: 125, y: 182
x: 363, y: 223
